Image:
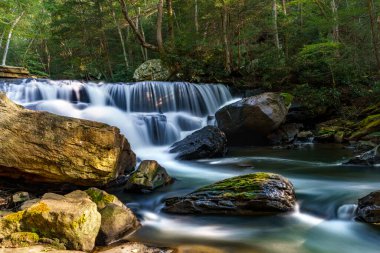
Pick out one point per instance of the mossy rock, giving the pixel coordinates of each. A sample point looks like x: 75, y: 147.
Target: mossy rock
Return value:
x: 152, y: 70
x: 102, y: 198
x: 288, y: 99
x: 149, y: 176
x: 21, y: 239
x: 10, y: 224
x: 367, y: 126
x: 253, y: 194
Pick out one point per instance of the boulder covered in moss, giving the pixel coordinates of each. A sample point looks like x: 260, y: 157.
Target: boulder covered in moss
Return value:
x: 149, y: 176
x: 51, y: 148
x: 20, y: 239
x: 208, y: 142
x: 367, y: 126
x: 252, y: 194
x: 72, y: 218
x: 369, y: 208
x: 152, y: 70
x: 117, y: 221
x: 250, y: 120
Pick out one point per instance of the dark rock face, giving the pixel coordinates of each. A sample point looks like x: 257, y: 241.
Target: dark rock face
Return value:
x: 368, y: 158
x: 369, y: 208
x: 285, y: 134
x: 250, y: 120
x: 149, y: 176
x: 208, y: 142
x: 253, y: 194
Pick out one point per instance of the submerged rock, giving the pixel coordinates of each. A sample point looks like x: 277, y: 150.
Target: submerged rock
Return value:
x: 207, y: 142
x: 250, y: 120
x: 152, y: 70
x: 149, y: 176
x: 253, y: 194
x: 52, y: 148
x: 368, y: 158
x: 369, y: 208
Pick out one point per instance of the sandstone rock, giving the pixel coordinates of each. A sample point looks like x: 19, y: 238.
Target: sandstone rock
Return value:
x: 37, y: 249
x: 253, y: 194
x: 117, y: 220
x: 134, y: 247
x: 369, y: 208
x: 72, y: 218
x: 152, y: 70
x: 20, y: 239
x: 208, y: 142
x: 20, y: 197
x: 250, y: 120
x: 149, y: 176
x: 43, y: 147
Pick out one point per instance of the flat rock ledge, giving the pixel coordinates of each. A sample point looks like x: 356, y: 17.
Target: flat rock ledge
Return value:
x: 43, y: 147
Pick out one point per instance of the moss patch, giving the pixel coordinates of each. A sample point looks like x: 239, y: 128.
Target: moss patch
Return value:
x: 100, y: 198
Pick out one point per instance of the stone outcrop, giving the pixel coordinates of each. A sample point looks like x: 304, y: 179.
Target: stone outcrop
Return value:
x: 152, y: 70
x: 369, y: 158
x: 250, y: 120
x: 369, y: 208
x: 43, y: 147
x: 208, y: 142
x: 252, y: 194
x: 117, y: 220
x: 149, y: 176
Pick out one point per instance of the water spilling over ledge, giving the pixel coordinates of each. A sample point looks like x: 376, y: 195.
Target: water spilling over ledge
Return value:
x: 148, y: 113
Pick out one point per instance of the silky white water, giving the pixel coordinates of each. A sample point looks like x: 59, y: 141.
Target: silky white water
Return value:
x: 153, y: 115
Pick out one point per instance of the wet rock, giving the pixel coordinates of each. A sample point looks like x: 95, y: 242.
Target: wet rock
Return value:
x: 134, y: 247
x: 369, y: 208
x: 117, y: 220
x: 117, y: 223
x: 20, y: 197
x: 250, y: 120
x: 253, y: 194
x: 369, y: 158
x: 51, y: 148
x: 152, y: 70
x: 367, y: 126
x: 285, y: 134
x: 149, y: 176
x: 208, y: 142
x: 305, y: 135
x: 333, y: 131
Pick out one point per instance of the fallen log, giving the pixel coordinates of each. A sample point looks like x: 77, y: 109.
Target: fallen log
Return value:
x: 43, y: 147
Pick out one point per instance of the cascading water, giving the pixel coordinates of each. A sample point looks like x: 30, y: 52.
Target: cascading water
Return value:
x: 148, y: 113
x: 155, y: 114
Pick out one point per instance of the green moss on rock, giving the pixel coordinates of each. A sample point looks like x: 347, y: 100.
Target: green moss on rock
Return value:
x: 102, y: 198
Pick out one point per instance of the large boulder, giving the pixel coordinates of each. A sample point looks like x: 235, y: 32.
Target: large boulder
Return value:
x: 43, y: 147
x: 152, y: 70
x: 73, y: 219
x: 369, y: 158
x: 369, y: 208
x: 253, y: 194
x: 207, y: 142
x: 117, y: 222
x: 250, y: 120
x: 149, y: 176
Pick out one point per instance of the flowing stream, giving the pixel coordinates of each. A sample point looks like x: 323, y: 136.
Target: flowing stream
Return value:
x: 153, y: 115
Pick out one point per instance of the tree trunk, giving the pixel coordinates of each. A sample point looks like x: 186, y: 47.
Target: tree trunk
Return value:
x: 284, y: 7
x: 1, y: 39
x: 196, y: 22
x: 334, y: 9
x: 3, y: 63
x: 120, y: 36
x: 225, y: 38
x: 371, y: 12
x: 169, y: 6
x: 160, y: 9
x: 275, y: 25
x: 144, y: 50
x: 135, y: 29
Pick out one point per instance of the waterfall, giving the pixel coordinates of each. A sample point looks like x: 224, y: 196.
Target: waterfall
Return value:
x: 147, y: 113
